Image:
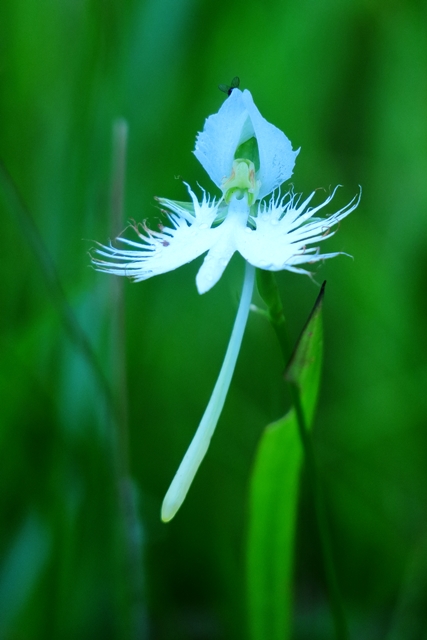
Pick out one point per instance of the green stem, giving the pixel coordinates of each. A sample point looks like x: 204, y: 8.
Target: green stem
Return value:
x: 199, y: 445
x: 126, y: 494
x: 267, y: 287
x: 269, y: 292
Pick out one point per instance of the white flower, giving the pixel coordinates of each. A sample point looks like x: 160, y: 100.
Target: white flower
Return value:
x: 248, y: 159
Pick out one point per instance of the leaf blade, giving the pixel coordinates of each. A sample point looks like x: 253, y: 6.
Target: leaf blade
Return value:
x: 273, y: 494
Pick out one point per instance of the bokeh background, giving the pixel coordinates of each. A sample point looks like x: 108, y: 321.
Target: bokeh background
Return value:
x: 83, y: 553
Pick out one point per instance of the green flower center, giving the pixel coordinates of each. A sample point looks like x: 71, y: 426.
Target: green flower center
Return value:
x: 241, y: 182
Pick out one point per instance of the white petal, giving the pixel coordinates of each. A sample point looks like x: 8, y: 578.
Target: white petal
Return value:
x: 277, y: 243
x: 217, y: 143
x: 164, y: 250
x: 224, y: 245
x: 277, y: 159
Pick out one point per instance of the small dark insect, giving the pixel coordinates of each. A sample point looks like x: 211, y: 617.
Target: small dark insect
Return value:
x: 229, y: 88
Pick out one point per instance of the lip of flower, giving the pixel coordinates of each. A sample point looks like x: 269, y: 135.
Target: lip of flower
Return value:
x: 276, y: 235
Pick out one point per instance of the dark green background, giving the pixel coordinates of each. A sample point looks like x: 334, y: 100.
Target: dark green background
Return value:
x: 346, y: 81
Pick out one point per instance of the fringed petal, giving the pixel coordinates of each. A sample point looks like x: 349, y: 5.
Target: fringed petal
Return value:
x: 283, y: 233
x: 166, y: 249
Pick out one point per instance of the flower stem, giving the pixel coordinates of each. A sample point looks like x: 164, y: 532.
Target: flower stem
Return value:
x: 267, y: 287
x: 200, y: 443
x: 269, y: 292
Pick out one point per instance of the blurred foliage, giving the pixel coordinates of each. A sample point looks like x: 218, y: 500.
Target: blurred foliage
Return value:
x: 83, y: 553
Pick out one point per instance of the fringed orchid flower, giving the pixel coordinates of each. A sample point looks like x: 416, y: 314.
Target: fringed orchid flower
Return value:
x: 248, y: 159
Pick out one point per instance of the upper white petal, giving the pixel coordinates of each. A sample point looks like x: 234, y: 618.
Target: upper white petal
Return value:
x: 238, y: 120
x: 277, y: 158
x: 221, y: 135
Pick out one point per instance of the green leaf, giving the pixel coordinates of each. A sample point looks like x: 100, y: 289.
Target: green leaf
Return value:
x: 274, y: 494
x: 305, y: 365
